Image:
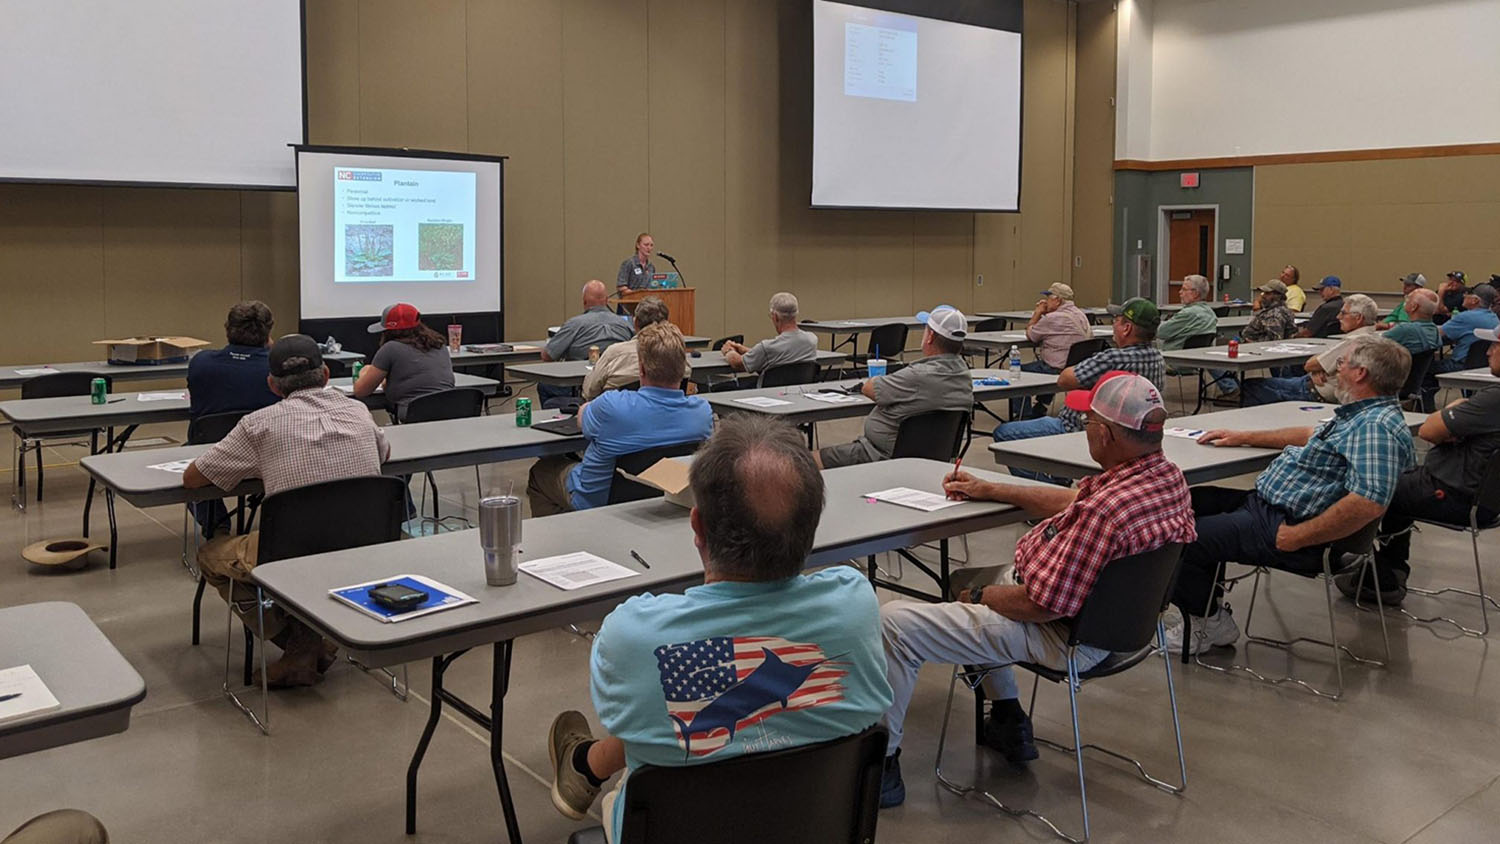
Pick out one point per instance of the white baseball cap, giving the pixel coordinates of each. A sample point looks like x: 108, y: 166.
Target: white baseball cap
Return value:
x: 1490, y: 334
x: 946, y: 321
x: 1123, y: 398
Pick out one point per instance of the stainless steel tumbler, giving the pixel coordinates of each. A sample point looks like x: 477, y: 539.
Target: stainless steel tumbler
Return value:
x: 500, y: 538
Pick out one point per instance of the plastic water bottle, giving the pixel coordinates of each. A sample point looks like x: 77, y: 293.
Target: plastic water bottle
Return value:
x: 1015, y: 361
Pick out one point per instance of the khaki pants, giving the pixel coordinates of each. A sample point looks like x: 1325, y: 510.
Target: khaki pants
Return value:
x: 64, y: 826
x: 226, y: 562
x: 547, y: 485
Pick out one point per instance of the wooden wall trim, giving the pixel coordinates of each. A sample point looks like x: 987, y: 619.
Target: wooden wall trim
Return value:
x: 1389, y: 153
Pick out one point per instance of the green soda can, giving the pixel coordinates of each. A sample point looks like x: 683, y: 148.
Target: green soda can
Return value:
x: 358, y: 365
x: 523, y: 413
x: 98, y: 391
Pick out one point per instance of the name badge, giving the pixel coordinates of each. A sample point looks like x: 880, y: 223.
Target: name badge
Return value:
x: 637, y: 270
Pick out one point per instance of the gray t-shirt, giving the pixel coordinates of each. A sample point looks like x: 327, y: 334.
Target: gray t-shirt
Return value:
x: 594, y: 327
x: 795, y: 346
x: 634, y: 274
x: 1476, y: 424
x: 410, y: 373
x: 940, y: 382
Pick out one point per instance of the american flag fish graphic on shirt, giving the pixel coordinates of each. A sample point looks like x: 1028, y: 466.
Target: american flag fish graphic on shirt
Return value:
x: 717, y: 687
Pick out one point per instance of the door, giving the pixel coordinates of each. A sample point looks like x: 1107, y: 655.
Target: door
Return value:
x: 1190, y: 247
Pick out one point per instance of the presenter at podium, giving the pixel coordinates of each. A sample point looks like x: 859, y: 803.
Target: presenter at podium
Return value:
x: 637, y: 270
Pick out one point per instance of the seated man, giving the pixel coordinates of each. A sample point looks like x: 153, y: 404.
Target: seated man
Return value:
x: 1056, y: 324
x: 619, y: 365
x: 939, y: 381
x: 1296, y: 297
x: 1459, y: 331
x: 1324, y: 321
x: 1410, y: 283
x: 1272, y: 319
x: 662, y: 672
x: 231, y: 379
x: 1329, y: 482
x: 1416, y: 331
x: 790, y: 344
x: 1196, y: 317
x: 312, y: 435
x: 622, y: 422
x: 1465, y: 437
x: 1356, y: 317
x: 1138, y: 503
x: 596, y: 326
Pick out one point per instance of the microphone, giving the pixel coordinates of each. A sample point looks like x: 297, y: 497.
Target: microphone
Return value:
x: 669, y: 258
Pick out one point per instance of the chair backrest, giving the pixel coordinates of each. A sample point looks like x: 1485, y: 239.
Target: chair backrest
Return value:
x: 1199, y: 341
x: 935, y: 435
x: 719, y: 343
x: 1361, y: 541
x: 622, y: 489
x: 457, y: 403
x: 331, y: 516
x: 62, y: 384
x: 212, y: 427
x: 1129, y: 595
x: 890, y: 339
x: 1420, y: 363
x: 336, y: 368
x: 633, y: 385
x: 1083, y: 350
x: 805, y: 372
x: 1478, y: 349
x: 991, y: 324
x: 826, y: 792
x: 1487, y: 496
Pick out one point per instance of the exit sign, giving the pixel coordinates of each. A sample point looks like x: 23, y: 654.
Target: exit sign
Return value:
x: 1188, y: 180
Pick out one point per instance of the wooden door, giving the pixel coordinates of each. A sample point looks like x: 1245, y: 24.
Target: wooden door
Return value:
x: 1190, y: 247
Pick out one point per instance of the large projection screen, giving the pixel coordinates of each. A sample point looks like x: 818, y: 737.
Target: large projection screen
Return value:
x: 170, y: 92
x: 917, y: 105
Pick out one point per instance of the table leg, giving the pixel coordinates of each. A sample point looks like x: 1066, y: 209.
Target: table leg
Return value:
x: 114, y: 530
x: 439, y: 665
x: 18, y: 476
x: 499, y: 684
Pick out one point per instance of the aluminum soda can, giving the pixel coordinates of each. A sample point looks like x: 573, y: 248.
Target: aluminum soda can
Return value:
x: 523, y: 413
x: 358, y: 365
x: 98, y: 391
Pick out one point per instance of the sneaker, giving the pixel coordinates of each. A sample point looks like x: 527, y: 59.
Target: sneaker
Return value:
x: 572, y: 794
x: 1216, y: 631
x: 1011, y: 736
x: 1392, y: 596
x: 892, y: 789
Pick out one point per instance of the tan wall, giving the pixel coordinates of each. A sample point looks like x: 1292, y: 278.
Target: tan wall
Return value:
x: 689, y: 118
x: 1370, y: 222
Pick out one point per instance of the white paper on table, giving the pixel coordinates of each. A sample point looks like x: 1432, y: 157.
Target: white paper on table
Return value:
x: 762, y: 401
x: 32, y: 694
x: 576, y: 570
x: 916, y: 499
x: 180, y: 395
x: 175, y: 466
x: 345, y: 388
x: 38, y: 370
x: 837, y: 398
x: 1185, y: 433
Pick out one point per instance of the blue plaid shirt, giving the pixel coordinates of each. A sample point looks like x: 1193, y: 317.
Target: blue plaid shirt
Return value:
x: 1143, y: 359
x: 1363, y: 450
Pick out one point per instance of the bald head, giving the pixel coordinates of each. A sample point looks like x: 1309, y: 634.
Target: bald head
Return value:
x: 1421, y: 303
x: 594, y: 294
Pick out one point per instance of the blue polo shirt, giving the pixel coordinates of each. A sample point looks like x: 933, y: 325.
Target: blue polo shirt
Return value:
x: 625, y: 421
x: 229, y: 379
x: 1459, y: 329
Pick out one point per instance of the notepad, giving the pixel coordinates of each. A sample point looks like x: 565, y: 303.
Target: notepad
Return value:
x: 1185, y: 433
x: 439, y: 597
x: 31, y: 694
x: 762, y: 401
x: 180, y: 395
x: 39, y: 370
x: 916, y: 499
x: 175, y: 466
x: 576, y: 570
x: 838, y: 398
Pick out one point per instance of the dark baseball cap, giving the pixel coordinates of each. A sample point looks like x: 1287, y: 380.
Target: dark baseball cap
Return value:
x: 295, y: 354
x: 1457, y: 275
x: 1140, y: 311
x: 1414, y: 280
x: 1485, y: 293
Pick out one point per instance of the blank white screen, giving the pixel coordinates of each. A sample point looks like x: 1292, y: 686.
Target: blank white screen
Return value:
x: 334, y: 286
x: 910, y: 112
x: 178, y: 91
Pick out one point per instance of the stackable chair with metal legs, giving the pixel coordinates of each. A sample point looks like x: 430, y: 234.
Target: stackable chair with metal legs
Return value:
x: 1120, y: 615
x: 1361, y: 543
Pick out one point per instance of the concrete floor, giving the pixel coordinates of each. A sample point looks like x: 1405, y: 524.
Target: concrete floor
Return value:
x: 1408, y: 756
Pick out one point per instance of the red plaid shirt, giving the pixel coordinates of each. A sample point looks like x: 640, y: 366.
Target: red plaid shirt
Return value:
x: 1132, y: 508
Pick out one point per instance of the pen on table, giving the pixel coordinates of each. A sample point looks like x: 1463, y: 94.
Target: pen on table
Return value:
x: 4, y: 698
x: 112, y: 401
x: 640, y: 559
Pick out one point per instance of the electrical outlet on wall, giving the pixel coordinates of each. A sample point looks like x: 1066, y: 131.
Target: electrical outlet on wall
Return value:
x: 1077, y: 261
x: 979, y: 280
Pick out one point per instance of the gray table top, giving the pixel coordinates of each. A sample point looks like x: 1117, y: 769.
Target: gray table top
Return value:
x: 1005, y: 339
x: 10, y: 377
x: 419, y: 447
x: 68, y: 413
x: 530, y: 350
x: 1067, y: 455
x: 800, y: 409
x: 1468, y: 379
x: 851, y: 527
x: 1252, y: 355
x: 570, y: 373
x: 82, y: 669
x: 856, y: 325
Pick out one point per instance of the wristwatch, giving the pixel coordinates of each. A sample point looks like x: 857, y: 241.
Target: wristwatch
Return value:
x: 974, y: 595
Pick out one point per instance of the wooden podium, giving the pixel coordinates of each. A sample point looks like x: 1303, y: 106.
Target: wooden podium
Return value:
x: 679, y: 302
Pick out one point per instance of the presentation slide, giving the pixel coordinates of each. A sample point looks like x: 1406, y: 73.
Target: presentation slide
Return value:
x: 382, y: 228
x: 911, y: 111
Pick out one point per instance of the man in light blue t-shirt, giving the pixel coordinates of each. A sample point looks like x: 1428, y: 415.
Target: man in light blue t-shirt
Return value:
x: 1459, y: 330
x: 621, y: 422
x: 759, y: 658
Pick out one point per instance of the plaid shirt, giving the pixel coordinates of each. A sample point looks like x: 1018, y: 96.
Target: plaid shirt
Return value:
x: 1143, y: 359
x: 1363, y: 450
x: 1134, y: 507
x: 308, y: 437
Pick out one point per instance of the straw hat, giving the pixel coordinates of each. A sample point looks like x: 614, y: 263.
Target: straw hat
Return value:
x: 70, y: 553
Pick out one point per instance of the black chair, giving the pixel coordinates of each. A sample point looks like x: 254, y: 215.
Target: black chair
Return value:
x: 1120, y: 615
x: 827, y: 792
x: 632, y: 386
x: 623, y: 489
x: 889, y: 340
x: 788, y: 374
x: 991, y: 324
x: 934, y: 435
x: 316, y: 519
x: 57, y: 385
x: 207, y: 429
x: 719, y: 343
x: 336, y: 368
x: 1411, y: 391
x: 1478, y: 352
x: 1197, y: 341
x: 1085, y: 349
x: 455, y: 403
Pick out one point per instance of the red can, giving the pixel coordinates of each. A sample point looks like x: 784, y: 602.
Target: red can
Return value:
x: 1234, y: 348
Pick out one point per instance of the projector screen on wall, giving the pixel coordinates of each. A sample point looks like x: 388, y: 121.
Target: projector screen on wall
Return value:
x: 178, y: 92
x: 387, y: 226
x: 917, y: 104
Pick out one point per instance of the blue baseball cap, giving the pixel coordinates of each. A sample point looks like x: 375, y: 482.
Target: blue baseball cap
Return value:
x: 1331, y: 281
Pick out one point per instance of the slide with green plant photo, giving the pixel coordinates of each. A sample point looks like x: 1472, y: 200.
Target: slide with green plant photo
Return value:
x: 403, y: 225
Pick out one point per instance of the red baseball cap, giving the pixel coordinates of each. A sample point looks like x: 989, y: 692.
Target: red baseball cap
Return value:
x: 1123, y: 398
x: 395, y: 318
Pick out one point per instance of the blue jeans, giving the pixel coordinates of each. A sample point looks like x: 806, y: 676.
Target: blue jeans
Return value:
x: 1271, y: 390
x: 1043, y: 426
x: 1021, y: 408
x: 1234, y: 526
x: 1224, y: 380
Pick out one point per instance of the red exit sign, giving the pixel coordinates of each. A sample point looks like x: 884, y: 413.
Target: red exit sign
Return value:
x: 1188, y: 180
